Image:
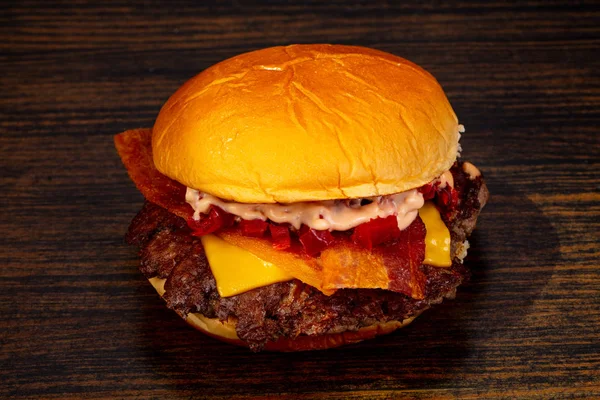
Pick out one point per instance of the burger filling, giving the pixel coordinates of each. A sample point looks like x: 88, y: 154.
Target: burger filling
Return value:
x: 289, y: 308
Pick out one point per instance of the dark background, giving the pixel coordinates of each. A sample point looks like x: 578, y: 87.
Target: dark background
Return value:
x: 78, y: 320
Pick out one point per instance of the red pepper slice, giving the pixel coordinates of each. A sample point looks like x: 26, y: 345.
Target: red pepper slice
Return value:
x: 314, y: 241
x: 376, y: 232
x: 428, y: 190
x: 448, y: 197
x: 281, y: 236
x: 215, y: 219
x: 254, y: 227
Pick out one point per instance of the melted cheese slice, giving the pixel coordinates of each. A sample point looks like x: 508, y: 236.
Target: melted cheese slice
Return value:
x: 237, y: 270
x: 437, y: 238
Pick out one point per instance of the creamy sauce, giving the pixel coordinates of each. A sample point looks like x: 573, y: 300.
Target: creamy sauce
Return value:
x: 471, y: 170
x: 445, y: 179
x: 333, y: 215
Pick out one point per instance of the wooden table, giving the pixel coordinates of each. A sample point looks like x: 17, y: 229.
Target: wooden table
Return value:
x: 78, y: 319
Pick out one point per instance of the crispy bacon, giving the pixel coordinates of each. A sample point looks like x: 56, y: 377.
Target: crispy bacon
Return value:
x: 403, y: 260
x: 135, y: 148
x: 393, y: 266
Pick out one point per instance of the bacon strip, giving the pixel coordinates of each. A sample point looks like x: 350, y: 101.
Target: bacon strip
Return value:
x: 393, y: 267
x: 135, y: 148
x: 403, y: 260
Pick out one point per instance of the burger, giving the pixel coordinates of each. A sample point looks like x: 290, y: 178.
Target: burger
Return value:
x: 303, y: 197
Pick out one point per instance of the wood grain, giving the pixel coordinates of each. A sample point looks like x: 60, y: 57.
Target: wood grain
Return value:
x: 77, y: 318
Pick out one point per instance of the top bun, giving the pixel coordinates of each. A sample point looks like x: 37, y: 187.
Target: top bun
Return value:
x: 304, y: 123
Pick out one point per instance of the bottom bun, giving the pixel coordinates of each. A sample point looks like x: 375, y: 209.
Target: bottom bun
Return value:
x: 225, y: 331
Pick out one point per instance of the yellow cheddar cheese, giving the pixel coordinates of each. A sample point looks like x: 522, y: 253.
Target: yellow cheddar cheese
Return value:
x: 437, y: 239
x: 237, y: 270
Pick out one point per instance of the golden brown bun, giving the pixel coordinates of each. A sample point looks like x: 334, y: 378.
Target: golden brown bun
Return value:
x: 225, y: 331
x: 306, y: 122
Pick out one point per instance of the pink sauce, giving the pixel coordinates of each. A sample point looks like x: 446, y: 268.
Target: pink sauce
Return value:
x: 332, y: 215
x: 471, y: 170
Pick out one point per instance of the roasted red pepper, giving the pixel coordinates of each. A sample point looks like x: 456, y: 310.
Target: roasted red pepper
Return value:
x: 448, y: 197
x: 314, y: 241
x: 376, y: 232
x: 213, y: 221
x: 254, y: 227
x: 281, y: 236
x: 428, y: 191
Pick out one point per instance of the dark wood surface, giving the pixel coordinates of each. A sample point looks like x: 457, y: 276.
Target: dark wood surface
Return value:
x: 78, y: 320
